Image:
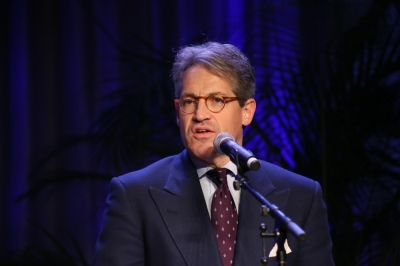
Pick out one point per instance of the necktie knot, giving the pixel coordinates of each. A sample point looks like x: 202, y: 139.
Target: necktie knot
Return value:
x: 218, y: 176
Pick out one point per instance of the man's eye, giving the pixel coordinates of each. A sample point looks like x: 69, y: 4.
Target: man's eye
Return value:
x: 217, y: 100
x: 188, y: 101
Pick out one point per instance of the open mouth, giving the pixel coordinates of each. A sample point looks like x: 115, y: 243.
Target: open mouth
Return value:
x: 202, y: 131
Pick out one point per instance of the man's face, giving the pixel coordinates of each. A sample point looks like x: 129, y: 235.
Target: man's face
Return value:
x: 199, y: 129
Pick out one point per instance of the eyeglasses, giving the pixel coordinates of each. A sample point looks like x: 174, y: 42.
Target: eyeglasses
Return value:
x: 214, y: 103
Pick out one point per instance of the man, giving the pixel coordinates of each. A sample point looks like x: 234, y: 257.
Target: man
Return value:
x: 164, y: 214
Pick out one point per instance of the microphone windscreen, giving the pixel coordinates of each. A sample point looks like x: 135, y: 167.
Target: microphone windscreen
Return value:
x: 219, y: 139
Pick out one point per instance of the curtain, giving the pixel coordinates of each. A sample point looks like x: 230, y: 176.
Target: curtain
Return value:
x: 86, y: 95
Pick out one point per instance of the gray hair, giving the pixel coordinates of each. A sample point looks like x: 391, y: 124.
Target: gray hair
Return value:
x: 223, y: 60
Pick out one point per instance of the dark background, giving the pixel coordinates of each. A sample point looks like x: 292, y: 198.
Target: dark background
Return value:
x: 86, y: 95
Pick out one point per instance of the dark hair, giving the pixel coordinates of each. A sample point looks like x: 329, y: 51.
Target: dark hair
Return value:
x: 223, y: 60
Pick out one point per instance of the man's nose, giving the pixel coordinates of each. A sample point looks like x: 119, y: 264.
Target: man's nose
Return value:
x: 202, y: 112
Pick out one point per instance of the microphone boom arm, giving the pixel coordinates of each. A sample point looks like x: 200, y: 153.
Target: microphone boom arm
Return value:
x: 283, y: 223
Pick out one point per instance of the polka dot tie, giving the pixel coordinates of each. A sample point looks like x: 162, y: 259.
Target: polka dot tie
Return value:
x: 224, y: 216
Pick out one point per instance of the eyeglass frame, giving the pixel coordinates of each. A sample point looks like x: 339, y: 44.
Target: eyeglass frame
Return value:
x: 226, y: 99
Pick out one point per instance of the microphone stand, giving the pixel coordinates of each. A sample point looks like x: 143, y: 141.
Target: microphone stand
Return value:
x: 282, y: 222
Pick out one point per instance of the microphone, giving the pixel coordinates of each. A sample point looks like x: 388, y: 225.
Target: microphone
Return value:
x: 225, y: 144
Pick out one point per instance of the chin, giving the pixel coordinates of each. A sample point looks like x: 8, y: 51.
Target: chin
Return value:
x: 203, y: 153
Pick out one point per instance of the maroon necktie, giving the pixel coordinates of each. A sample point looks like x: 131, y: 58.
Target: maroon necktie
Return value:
x: 224, y: 216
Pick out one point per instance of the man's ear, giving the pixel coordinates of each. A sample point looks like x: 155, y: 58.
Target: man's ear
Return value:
x: 248, y: 111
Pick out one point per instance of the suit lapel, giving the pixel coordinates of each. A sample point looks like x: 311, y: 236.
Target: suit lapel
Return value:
x: 183, y: 209
x: 248, y: 251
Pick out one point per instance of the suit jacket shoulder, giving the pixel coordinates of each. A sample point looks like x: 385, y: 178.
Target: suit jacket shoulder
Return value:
x: 300, y: 198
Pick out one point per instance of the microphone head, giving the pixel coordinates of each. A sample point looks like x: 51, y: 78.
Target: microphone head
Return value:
x: 218, y: 140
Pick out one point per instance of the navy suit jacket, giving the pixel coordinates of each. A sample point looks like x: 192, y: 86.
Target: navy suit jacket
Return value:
x: 158, y: 216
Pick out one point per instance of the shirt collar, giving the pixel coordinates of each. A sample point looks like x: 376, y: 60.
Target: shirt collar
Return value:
x: 202, y: 168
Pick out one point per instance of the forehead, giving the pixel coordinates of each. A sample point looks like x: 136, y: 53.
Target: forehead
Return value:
x: 198, y: 80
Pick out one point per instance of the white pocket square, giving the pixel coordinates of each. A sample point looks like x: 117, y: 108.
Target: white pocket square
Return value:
x: 275, y: 248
